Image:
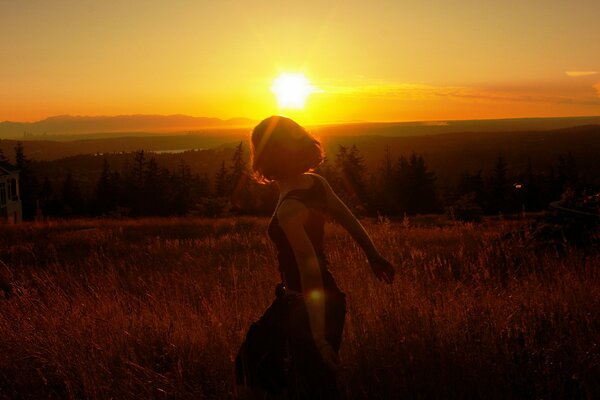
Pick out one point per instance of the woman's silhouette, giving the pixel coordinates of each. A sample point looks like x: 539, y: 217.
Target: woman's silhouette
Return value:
x: 293, y: 348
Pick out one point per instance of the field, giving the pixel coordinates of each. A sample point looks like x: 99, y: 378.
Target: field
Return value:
x: 156, y: 308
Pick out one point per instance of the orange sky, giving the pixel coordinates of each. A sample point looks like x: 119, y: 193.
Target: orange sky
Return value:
x: 371, y: 61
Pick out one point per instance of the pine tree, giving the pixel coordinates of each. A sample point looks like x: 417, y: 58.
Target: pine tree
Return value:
x: 328, y: 171
x: 153, y: 189
x: 567, y: 172
x: 104, y: 191
x: 72, y: 201
x: 422, y: 198
x: 222, y: 182
x: 472, y: 185
x: 48, y: 202
x: 499, y: 187
x: 182, y: 182
x: 241, y: 197
x: 403, y: 185
x: 21, y: 160
x: 118, y: 187
x: 352, y: 170
x: 28, y: 183
x: 531, y: 187
x: 239, y: 166
x: 200, y: 188
x: 386, y: 201
x: 133, y: 188
x: 139, y: 162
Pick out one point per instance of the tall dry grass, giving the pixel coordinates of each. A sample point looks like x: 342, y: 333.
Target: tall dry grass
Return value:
x: 157, y: 308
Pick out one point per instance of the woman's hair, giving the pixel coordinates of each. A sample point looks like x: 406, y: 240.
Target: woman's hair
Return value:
x: 281, y: 148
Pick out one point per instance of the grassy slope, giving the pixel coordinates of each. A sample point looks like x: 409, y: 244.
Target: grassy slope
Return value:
x: 157, y: 308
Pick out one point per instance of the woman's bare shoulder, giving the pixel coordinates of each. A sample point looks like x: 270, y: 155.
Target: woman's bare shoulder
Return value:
x: 321, y: 179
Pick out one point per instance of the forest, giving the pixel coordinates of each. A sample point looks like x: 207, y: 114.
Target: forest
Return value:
x: 141, y: 183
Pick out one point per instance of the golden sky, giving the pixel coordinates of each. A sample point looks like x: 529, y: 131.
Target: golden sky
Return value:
x: 369, y: 60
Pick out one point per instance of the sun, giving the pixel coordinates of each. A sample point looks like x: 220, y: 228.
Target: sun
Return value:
x: 292, y: 90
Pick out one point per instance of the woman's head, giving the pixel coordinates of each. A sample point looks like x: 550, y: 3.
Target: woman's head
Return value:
x: 281, y: 148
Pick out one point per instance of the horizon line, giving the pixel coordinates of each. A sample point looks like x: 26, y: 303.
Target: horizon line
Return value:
x: 348, y: 122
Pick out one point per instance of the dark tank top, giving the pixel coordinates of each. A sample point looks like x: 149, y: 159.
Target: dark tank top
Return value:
x: 314, y: 198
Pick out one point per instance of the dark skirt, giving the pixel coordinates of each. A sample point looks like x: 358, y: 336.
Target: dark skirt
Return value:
x: 279, y: 354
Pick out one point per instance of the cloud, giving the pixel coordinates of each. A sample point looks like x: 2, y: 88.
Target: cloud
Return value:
x: 405, y: 91
x: 414, y: 91
x: 563, y: 94
x: 577, y: 74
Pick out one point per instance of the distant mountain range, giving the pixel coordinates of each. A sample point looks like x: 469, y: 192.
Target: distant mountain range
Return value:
x: 75, y: 125
x: 68, y: 128
x: 423, y: 128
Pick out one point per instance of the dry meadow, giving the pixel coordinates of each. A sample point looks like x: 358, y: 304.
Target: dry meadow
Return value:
x: 156, y: 309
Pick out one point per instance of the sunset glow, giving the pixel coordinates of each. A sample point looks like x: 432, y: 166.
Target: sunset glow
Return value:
x: 394, y: 61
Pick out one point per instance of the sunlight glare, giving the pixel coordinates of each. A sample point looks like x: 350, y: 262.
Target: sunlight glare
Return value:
x: 291, y: 90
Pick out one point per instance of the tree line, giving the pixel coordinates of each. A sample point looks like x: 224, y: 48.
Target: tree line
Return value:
x: 398, y: 186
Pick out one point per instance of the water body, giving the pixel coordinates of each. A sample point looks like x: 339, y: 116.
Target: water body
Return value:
x: 176, y: 151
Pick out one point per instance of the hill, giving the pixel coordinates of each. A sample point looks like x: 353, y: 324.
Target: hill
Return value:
x: 448, y: 155
x: 65, y: 125
x: 69, y: 128
x: 125, y: 142
x: 421, y: 128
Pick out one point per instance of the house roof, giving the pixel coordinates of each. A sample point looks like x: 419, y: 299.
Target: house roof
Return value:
x: 7, y: 168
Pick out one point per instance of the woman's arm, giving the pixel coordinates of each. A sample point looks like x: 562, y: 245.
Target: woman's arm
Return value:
x: 342, y: 214
x: 291, y: 216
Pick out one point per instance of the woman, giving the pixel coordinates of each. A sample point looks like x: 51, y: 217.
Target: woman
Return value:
x: 293, y: 348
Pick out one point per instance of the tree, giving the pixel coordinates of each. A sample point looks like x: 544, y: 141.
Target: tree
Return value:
x: 499, y: 187
x: 239, y: 167
x: 71, y: 199
x: 328, y: 171
x: 28, y: 183
x: 567, y: 172
x: 49, y: 203
x: 222, y: 182
x: 139, y: 161
x: 155, y: 189
x: 241, y: 196
x: 352, y: 169
x: 421, y: 197
x: 472, y: 184
x: 403, y: 185
x: 532, y: 199
x: 386, y: 199
x: 182, y: 182
x: 200, y: 187
x: 105, y: 199
x: 102, y: 201
x: 118, y: 189
x: 133, y: 187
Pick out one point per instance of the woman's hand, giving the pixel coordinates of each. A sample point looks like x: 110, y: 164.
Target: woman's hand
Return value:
x: 330, y: 357
x: 382, y: 268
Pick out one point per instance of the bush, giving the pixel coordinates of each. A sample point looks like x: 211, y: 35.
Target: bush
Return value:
x: 466, y: 209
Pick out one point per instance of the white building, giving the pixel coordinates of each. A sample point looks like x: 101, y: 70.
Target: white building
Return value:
x: 10, y: 200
